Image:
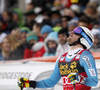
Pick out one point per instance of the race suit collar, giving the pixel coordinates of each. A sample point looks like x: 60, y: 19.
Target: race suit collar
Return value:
x: 73, y: 53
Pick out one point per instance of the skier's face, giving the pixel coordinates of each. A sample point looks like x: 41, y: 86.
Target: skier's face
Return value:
x: 72, y: 38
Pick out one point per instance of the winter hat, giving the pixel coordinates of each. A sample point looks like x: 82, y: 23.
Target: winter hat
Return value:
x: 53, y: 36
x: 32, y: 36
x: 56, y: 29
x: 46, y: 29
x: 63, y: 31
x: 25, y: 29
x: 72, y: 23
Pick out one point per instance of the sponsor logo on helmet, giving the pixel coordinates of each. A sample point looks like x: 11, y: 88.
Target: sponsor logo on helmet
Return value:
x: 87, y: 38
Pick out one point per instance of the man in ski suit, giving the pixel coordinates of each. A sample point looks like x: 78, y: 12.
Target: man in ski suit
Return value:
x: 76, y: 67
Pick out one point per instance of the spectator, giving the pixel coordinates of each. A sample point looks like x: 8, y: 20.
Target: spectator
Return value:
x: 16, y: 34
x: 29, y: 7
x: 23, y: 33
x: 57, y: 26
x: 69, y: 12
x: 51, y: 43
x: 3, y: 26
x: 58, y: 23
x: 30, y: 16
x: 34, y: 48
x: 84, y: 21
x: 47, y: 22
x: 65, y: 20
x: 45, y: 30
x: 63, y: 46
x: 94, y: 3
x: 54, y: 15
x: 37, y: 29
x: 96, y: 44
x: 44, y: 12
x: 7, y: 17
x: 17, y: 17
x: 91, y: 12
x: 11, y: 49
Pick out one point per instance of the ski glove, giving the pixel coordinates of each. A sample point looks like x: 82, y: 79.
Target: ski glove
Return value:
x: 26, y: 83
x: 75, y: 78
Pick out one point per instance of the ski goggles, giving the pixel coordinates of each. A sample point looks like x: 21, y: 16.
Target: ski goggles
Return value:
x: 80, y: 32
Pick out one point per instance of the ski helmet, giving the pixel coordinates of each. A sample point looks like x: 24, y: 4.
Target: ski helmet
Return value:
x: 86, y: 39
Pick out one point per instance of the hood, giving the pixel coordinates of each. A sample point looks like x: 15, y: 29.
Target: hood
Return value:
x: 19, y: 13
x: 53, y: 36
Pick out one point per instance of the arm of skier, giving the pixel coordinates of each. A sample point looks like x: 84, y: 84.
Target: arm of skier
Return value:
x: 52, y: 81
x: 87, y: 61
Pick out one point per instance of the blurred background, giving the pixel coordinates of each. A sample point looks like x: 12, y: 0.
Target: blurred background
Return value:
x: 40, y: 27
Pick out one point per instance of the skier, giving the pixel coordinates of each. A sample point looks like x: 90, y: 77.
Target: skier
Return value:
x: 76, y: 67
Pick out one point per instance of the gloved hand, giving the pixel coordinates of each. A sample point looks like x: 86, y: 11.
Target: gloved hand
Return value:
x: 26, y: 83
x: 75, y: 78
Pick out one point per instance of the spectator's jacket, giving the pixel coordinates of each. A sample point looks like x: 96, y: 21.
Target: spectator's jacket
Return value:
x: 5, y: 29
x: 17, y: 54
x: 49, y: 54
x: 61, y: 49
x: 37, y: 51
x: 40, y: 39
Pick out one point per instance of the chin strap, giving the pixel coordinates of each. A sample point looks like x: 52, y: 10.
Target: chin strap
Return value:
x: 75, y: 43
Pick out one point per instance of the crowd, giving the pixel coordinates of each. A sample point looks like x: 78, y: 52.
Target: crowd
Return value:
x: 44, y: 30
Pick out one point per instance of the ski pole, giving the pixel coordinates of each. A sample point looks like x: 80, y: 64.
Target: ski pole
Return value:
x: 74, y: 86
